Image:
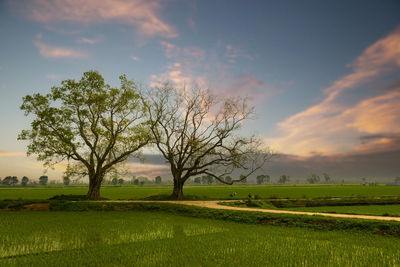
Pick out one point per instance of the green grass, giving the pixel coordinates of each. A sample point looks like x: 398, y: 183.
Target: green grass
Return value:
x: 154, y: 239
x: 210, y: 192
x: 381, y: 210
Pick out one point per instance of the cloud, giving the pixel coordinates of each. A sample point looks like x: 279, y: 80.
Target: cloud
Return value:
x: 147, y: 169
x: 245, y: 86
x: 333, y: 127
x: 192, y: 24
x: 84, y: 40
x: 182, y: 67
x: 52, y: 76
x: 11, y: 154
x: 232, y: 54
x: 174, y: 51
x: 193, y: 66
x: 135, y: 58
x: 142, y: 14
x: 179, y: 74
x: 49, y: 51
x: 379, y: 166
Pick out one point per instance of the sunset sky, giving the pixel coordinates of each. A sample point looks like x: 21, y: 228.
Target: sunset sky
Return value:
x: 324, y: 76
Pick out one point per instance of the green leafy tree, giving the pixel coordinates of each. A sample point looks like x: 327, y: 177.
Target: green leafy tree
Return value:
x: 243, y: 179
x: 363, y: 181
x: 24, y: 181
x: 10, y: 180
x: 89, y: 122
x: 121, y: 181
x: 114, y: 181
x: 313, y: 179
x: 197, y: 134
x: 327, y: 178
x: 207, y: 179
x: 66, y: 180
x: 197, y: 180
x: 228, y: 179
x: 43, y: 180
x: 6, y: 180
x: 136, y: 181
x: 283, y: 179
x: 261, y: 179
x: 158, y: 180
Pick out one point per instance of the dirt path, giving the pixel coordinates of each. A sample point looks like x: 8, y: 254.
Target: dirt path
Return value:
x: 214, y: 205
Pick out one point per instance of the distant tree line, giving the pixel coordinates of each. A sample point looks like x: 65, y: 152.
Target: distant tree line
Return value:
x: 13, y: 180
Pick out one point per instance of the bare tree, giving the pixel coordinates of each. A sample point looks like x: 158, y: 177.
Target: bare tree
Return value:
x: 197, y: 133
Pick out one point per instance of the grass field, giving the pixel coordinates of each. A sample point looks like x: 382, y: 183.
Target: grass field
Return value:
x: 210, y: 192
x: 385, y: 210
x: 153, y: 239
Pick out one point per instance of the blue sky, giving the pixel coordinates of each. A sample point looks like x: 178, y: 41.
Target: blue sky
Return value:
x: 323, y: 74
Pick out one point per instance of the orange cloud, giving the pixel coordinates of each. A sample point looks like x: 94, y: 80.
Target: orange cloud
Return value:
x: 330, y: 126
x: 11, y: 154
x: 143, y: 14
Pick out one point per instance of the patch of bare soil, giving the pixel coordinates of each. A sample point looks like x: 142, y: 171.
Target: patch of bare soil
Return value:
x: 37, y: 207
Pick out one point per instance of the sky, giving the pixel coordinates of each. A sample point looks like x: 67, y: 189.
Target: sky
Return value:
x: 323, y: 75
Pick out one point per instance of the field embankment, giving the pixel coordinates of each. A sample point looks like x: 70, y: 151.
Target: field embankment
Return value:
x: 207, y: 192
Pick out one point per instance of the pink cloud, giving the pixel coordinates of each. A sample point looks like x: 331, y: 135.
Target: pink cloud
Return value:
x: 135, y: 58
x: 50, y: 51
x: 245, y: 86
x: 182, y: 67
x: 332, y: 127
x: 179, y: 74
x: 84, y: 40
x: 232, y: 54
x: 174, y: 51
x: 192, y: 66
x: 142, y: 14
x: 171, y: 50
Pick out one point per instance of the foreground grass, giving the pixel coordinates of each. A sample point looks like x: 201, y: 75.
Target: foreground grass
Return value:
x: 381, y: 210
x: 150, y: 238
x: 207, y: 192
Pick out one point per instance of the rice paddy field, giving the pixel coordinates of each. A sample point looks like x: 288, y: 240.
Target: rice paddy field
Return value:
x: 160, y: 239
x: 157, y: 238
x: 381, y: 210
x: 209, y: 192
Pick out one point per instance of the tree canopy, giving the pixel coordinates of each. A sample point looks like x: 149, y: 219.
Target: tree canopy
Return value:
x: 88, y: 122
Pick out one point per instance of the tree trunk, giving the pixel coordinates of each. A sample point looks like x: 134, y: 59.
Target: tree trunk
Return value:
x: 94, y: 188
x: 177, y: 193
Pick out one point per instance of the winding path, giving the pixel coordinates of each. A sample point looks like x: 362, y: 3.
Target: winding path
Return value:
x: 213, y: 204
